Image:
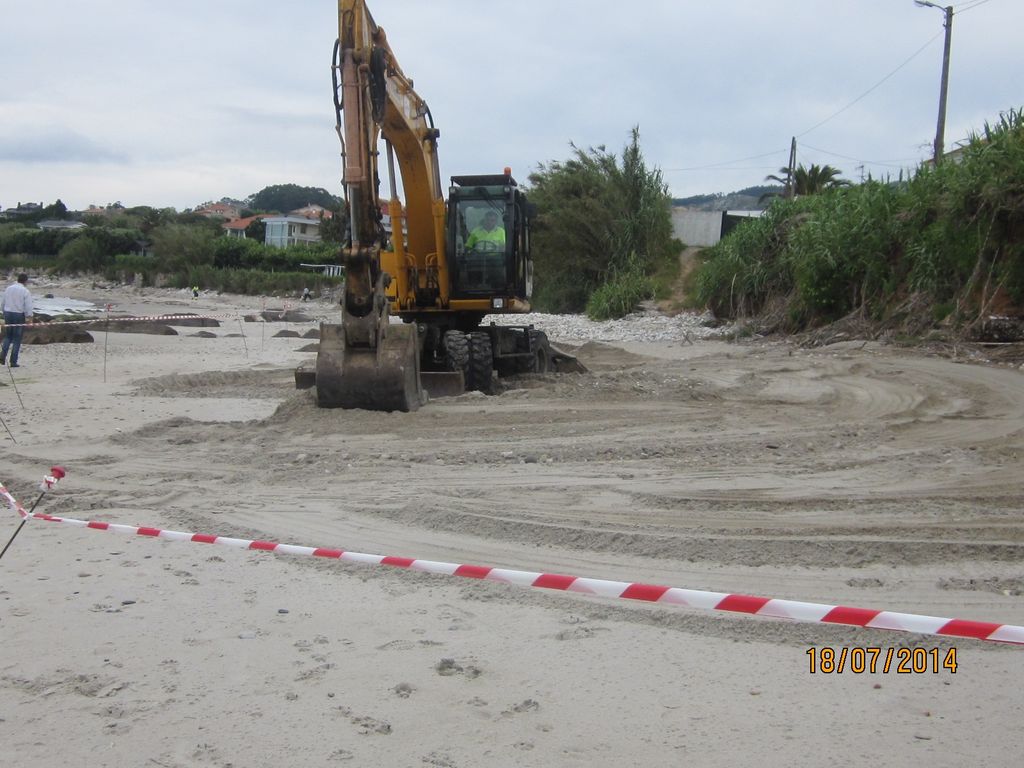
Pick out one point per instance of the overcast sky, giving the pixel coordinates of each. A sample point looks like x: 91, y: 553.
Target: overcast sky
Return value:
x: 177, y: 103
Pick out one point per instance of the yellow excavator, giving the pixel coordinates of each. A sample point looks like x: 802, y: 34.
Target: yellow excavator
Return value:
x: 416, y: 292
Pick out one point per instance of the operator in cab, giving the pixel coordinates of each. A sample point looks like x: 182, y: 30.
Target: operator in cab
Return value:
x: 488, y: 232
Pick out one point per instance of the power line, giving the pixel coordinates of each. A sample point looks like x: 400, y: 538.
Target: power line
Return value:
x: 737, y: 168
x: 966, y: 6
x: 873, y: 87
x: 899, y: 163
x: 969, y: 6
x: 727, y: 162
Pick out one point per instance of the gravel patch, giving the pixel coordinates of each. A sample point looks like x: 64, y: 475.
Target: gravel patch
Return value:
x: 686, y: 326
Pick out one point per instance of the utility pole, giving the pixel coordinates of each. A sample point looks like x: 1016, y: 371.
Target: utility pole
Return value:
x: 940, y: 128
x: 790, y: 191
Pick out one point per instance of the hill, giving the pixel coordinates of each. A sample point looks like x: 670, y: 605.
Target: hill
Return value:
x: 748, y: 199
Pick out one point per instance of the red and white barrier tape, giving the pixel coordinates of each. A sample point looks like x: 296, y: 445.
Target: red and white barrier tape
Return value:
x: 13, y: 503
x: 689, y: 598
x: 56, y: 474
x: 141, y: 318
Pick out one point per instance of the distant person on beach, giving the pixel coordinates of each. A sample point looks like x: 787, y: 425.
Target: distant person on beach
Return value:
x: 17, y: 308
x: 195, y: 291
x: 306, y: 295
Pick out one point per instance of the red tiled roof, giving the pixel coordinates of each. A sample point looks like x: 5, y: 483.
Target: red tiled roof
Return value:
x: 242, y: 223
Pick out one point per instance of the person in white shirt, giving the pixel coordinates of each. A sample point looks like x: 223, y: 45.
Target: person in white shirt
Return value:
x: 17, y: 308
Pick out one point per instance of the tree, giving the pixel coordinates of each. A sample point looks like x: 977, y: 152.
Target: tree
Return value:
x: 179, y: 246
x: 236, y: 253
x: 807, y: 181
x: 597, y: 218
x: 83, y: 254
x: 332, y: 229
x: 148, y: 218
x: 256, y: 231
x: 55, y: 211
x: 288, y: 197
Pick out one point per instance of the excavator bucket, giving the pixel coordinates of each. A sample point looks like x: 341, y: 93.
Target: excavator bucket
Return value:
x: 443, y: 383
x: 385, y: 378
x: 563, y: 362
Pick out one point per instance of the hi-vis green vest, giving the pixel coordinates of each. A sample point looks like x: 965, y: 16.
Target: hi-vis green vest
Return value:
x: 481, y: 235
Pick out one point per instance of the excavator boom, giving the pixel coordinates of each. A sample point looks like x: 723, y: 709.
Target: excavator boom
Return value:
x: 367, y: 361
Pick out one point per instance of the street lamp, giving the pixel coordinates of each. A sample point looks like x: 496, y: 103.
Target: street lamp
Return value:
x: 940, y: 129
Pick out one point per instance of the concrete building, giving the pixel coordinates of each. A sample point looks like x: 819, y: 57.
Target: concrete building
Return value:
x: 706, y: 228
x: 283, y: 231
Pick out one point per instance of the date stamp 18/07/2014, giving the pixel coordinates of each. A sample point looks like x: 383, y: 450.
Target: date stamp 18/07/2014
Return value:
x: 874, y: 659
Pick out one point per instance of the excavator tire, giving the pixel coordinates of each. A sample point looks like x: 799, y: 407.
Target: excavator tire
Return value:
x: 383, y: 379
x: 540, y: 361
x: 456, y: 352
x: 481, y: 363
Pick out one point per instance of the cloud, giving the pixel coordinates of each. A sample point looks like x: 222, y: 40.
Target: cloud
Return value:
x: 49, y: 146
x: 222, y: 96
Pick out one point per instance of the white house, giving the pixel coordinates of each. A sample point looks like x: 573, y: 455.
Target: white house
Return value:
x: 283, y: 231
x: 60, y: 224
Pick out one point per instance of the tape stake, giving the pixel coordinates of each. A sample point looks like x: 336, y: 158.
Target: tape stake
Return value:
x: 790, y: 610
x: 56, y: 473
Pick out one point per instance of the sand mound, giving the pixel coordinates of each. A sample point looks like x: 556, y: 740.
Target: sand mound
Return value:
x: 195, y: 322
x: 285, y: 316
x: 58, y: 334
x: 237, y: 384
x: 137, y: 326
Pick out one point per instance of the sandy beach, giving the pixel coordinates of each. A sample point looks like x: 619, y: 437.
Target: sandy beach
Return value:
x: 854, y: 474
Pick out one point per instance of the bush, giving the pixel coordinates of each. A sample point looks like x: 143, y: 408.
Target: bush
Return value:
x: 953, y: 235
x: 18, y: 238
x: 125, y: 267
x: 83, y: 254
x: 621, y: 294
x: 179, y: 247
x: 235, y: 252
x: 598, y: 214
x: 253, y: 282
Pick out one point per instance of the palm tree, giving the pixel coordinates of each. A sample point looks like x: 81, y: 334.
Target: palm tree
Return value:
x: 807, y: 181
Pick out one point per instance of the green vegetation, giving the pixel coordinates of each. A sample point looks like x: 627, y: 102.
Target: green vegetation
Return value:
x: 180, y: 250
x: 621, y: 293
x: 604, y: 226
x: 807, y: 181
x: 946, y: 245
x: 290, y: 197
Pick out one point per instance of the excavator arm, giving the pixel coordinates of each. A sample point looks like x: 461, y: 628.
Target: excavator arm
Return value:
x: 367, y: 362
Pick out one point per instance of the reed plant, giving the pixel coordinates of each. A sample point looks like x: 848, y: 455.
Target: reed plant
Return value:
x: 951, y: 236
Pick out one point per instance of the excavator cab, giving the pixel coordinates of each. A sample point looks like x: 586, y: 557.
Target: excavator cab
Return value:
x: 489, y: 239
